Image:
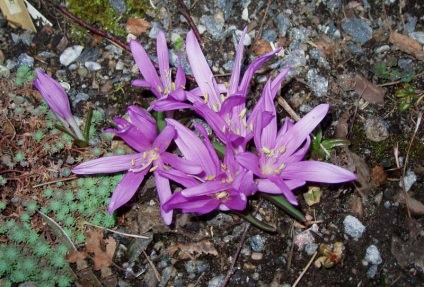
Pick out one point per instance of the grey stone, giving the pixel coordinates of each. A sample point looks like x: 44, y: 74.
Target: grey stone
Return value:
x: 409, y: 179
x: 269, y: 35
x: 89, y: 54
x: 70, y: 55
x: 92, y: 66
x: 373, y: 255
x: 419, y: 36
x: 376, y: 129
x: 196, y: 266
x: 79, y: 97
x: 257, y: 243
x: 25, y: 60
x: 353, y: 227
x: 283, y: 24
x: 318, y: 83
x: 216, y: 281
x: 358, y: 29
x: 118, y: 5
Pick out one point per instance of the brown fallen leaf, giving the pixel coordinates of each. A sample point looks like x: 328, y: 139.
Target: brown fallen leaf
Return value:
x: 261, y: 47
x: 103, y: 249
x: 137, y: 26
x: 325, y: 44
x: 192, y: 250
x: 407, y: 44
x: 368, y: 91
x: 414, y: 206
x: 378, y: 175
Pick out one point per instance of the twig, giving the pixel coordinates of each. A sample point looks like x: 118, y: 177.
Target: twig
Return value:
x: 304, y: 270
x: 54, y: 181
x: 236, y: 255
x: 103, y: 33
x: 186, y: 13
x: 153, y: 266
x: 117, y: 232
x: 261, y: 26
x: 289, y: 258
x: 400, y: 81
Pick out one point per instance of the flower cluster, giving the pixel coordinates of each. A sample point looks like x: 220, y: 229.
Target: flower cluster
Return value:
x: 209, y: 181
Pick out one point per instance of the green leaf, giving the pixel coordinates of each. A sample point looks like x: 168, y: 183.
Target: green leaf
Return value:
x: 59, y: 232
x: 86, y: 132
x: 160, y: 120
x: 255, y: 222
x: 219, y: 148
x: 283, y: 204
x: 332, y: 143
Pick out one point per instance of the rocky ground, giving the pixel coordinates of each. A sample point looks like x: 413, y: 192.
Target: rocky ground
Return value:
x: 365, y: 59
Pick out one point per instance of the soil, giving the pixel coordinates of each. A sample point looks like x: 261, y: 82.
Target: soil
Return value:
x: 376, y: 199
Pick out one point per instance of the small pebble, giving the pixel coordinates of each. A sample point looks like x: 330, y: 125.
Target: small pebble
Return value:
x: 257, y: 243
x: 92, y: 66
x: 70, y: 54
x: 353, y: 227
x: 373, y: 255
x: 257, y: 256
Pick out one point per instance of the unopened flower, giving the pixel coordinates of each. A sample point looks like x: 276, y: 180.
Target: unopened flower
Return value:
x: 57, y: 99
x: 168, y: 93
x: 223, y: 186
x: 141, y: 135
x: 279, y: 163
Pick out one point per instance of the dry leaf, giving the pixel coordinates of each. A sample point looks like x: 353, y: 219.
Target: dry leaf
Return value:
x: 103, y: 249
x: 75, y: 256
x: 193, y: 250
x: 368, y: 91
x: 357, y: 207
x: 261, y: 47
x: 414, y: 206
x: 407, y: 44
x: 378, y: 175
x: 313, y: 195
x: 325, y: 45
x: 137, y: 26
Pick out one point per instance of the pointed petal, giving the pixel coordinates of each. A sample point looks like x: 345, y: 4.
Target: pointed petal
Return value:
x: 297, y: 134
x: 126, y: 189
x: 237, y: 201
x: 163, y: 59
x: 275, y: 85
x: 212, y: 152
x: 249, y: 161
x: 192, y: 147
x: 144, y: 121
x: 164, y: 193
x: 200, y: 68
x: 164, y: 104
x: 181, y: 164
x: 268, y: 131
x: 235, y: 75
x: 131, y: 135
x: 180, y: 77
x: 276, y: 185
x: 145, y: 65
x: 164, y: 139
x: 317, y: 171
x: 143, y: 84
x: 206, y: 188
x: 231, y: 102
x: 216, y: 122
x: 178, y: 176
x: 109, y: 164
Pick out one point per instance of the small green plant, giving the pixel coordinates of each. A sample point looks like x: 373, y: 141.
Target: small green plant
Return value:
x: 321, y: 147
x: 387, y: 70
x: 24, y: 75
x: 406, y: 95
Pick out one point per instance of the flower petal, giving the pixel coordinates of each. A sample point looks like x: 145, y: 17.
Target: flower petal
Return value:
x: 317, y: 171
x: 297, y: 134
x: 206, y: 188
x: 145, y: 65
x: 235, y: 75
x: 250, y: 161
x: 163, y: 59
x: 164, y: 193
x: 144, y: 121
x: 131, y: 135
x: 184, y: 165
x: 108, y: 164
x: 164, y: 139
x: 178, y: 176
x: 126, y: 189
x: 275, y: 185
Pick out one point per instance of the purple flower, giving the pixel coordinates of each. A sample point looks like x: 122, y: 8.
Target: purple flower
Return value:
x: 223, y: 108
x: 57, y: 99
x: 223, y: 186
x: 279, y: 163
x: 150, y: 156
x: 170, y: 95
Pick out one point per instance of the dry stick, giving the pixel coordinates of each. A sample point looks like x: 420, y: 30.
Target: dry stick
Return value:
x: 54, y: 181
x: 186, y: 13
x: 261, y: 26
x: 236, y: 255
x: 400, y: 81
x: 157, y: 275
x: 117, y: 232
x: 304, y: 270
x: 92, y: 29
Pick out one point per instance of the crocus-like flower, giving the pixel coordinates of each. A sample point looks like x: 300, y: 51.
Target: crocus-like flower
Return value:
x: 141, y: 135
x: 223, y: 186
x: 279, y: 163
x: 169, y: 94
x: 57, y: 99
x: 223, y: 108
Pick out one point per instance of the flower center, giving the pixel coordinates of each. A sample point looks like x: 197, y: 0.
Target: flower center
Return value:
x: 146, y: 159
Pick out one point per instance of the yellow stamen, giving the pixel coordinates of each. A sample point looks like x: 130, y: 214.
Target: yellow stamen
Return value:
x: 210, y: 177
x: 173, y: 86
x: 206, y: 98
x: 145, y: 154
x: 242, y: 113
x: 221, y: 195
x: 133, y: 162
x: 282, y: 149
x: 153, y: 168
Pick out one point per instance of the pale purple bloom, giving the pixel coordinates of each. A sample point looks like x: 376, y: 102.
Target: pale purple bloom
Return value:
x: 223, y: 108
x: 278, y: 163
x: 141, y: 135
x: 57, y: 99
x: 168, y: 93
x: 223, y: 186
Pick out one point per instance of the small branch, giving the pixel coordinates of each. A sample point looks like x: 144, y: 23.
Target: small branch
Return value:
x: 117, y: 232
x: 103, y: 33
x: 157, y: 275
x: 236, y: 255
x: 54, y: 181
x: 186, y: 13
x: 304, y: 270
